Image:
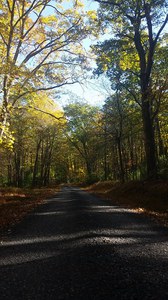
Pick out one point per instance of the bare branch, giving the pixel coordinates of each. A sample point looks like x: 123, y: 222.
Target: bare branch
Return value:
x: 161, y: 29
x: 108, y: 2
x: 51, y: 43
x: 32, y: 6
x: 3, y: 39
x: 9, y: 6
x: 57, y: 86
x: 60, y: 62
x: 34, y: 23
x: 47, y: 113
x: 43, y: 89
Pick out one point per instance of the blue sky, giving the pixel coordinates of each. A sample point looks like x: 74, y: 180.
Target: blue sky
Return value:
x: 92, y: 90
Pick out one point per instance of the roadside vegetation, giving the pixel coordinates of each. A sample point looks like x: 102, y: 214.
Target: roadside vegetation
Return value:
x: 16, y: 203
x: 149, y: 197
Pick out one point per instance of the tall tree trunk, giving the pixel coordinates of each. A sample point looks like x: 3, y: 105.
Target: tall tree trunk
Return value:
x: 120, y: 160
x: 18, y: 169
x: 47, y: 165
x: 105, y: 153
x: 9, y: 174
x: 89, y: 169
x: 160, y: 140
x: 149, y: 139
x: 36, y: 165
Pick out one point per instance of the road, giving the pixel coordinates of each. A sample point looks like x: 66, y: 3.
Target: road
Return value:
x: 76, y: 246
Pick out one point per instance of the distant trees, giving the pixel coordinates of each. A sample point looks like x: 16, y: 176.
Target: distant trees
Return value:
x: 54, y: 146
x: 123, y: 138
x: 83, y: 133
x: 36, y: 135
x: 83, y: 143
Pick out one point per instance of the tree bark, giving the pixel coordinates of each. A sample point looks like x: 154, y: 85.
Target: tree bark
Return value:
x: 120, y: 160
x: 160, y: 140
x: 149, y: 139
x: 36, y: 164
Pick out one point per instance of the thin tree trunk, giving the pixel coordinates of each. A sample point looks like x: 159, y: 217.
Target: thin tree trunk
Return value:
x: 36, y: 165
x: 105, y: 154
x: 120, y: 160
x: 160, y: 141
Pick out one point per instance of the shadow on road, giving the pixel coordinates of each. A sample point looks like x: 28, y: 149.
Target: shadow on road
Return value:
x: 77, y: 247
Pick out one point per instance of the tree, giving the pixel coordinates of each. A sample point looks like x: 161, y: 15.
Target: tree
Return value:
x: 137, y: 27
x: 40, y: 50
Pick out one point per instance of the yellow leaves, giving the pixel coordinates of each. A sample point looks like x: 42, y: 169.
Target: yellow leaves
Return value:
x: 10, y: 4
x: 105, y: 67
x: 8, y: 139
x: 48, y: 20
x: 129, y: 61
x: 44, y: 109
x: 79, y: 3
x: 105, y: 61
x: 92, y: 14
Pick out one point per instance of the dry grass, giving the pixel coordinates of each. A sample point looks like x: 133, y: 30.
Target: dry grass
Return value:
x: 150, y: 197
x: 15, y: 203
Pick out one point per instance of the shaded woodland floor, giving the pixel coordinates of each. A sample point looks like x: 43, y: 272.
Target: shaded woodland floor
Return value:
x: 15, y: 203
x: 149, y: 197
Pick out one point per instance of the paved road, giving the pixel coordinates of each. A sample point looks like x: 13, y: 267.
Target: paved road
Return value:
x: 76, y: 246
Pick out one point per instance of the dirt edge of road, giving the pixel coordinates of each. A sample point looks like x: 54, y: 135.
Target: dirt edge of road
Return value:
x: 16, y: 203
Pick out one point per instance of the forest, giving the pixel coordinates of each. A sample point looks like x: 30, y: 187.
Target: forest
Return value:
x: 42, y: 50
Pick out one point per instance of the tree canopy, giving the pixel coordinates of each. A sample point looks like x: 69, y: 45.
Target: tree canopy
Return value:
x: 41, y: 50
x: 40, y: 44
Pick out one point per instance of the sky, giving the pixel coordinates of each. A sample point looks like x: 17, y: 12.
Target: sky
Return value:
x: 93, y: 91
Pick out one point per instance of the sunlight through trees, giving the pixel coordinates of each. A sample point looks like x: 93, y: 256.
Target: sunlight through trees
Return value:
x: 42, y: 49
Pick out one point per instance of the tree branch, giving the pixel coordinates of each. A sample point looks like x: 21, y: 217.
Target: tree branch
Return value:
x: 3, y: 39
x: 45, y: 112
x: 43, y: 89
x: 161, y: 29
x: 51, y: 43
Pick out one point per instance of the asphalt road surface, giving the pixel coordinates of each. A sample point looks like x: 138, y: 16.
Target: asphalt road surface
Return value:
x: 76, y: 246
